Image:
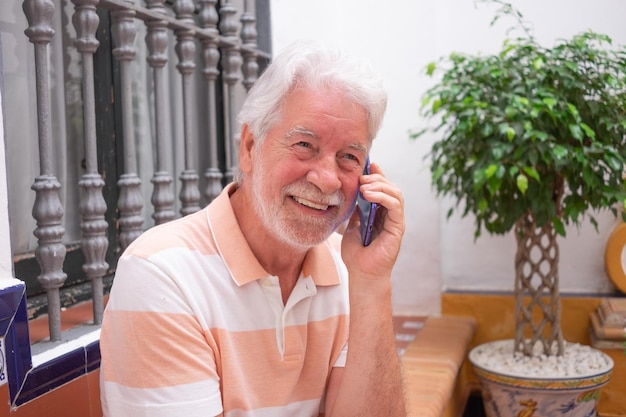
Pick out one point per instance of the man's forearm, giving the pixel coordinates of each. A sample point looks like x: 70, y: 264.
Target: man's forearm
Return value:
x: 372, y: 383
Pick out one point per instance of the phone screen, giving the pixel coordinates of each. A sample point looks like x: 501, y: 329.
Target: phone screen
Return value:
x: 367, y: 212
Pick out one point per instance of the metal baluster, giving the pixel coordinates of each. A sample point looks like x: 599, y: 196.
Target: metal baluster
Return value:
x: 208, y: 20
x: 47, y: 209
x: 156, y: 39
x: 250, y: 67
x: 130, y: 201
x: 94, y: 227
x: 231, y: 62
x: 185, y: 50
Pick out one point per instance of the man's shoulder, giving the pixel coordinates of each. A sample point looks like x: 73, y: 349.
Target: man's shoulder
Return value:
x: 190, y: 232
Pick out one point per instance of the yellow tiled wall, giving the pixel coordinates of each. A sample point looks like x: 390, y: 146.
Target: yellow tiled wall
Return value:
x: 495, y: 321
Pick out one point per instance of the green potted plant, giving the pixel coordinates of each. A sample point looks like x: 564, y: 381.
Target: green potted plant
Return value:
x: 529, y: 140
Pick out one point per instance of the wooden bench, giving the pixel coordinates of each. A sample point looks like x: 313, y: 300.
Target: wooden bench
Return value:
x: 432, y: 363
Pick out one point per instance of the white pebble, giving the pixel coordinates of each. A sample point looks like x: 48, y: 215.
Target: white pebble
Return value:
x: 577, y: 361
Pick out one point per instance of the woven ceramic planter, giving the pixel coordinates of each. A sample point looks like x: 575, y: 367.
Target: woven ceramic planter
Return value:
x: 511, y: 394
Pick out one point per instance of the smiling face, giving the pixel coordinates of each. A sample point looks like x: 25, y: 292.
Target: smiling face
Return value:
x: 304, y: 176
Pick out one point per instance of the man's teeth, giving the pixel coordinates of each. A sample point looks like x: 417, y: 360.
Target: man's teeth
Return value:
x: 310, y: 203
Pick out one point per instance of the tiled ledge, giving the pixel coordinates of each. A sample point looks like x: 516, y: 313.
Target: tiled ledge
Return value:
x: 14, y: 340
x: 432, y: 363
x: 33, y: 370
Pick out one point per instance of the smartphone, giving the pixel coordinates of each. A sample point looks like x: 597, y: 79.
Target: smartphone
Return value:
x: 367, y: 212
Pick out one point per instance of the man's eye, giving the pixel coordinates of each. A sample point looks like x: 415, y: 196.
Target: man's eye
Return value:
x: 304, y: 144
x: 351, y: 157
x: 351, y: 161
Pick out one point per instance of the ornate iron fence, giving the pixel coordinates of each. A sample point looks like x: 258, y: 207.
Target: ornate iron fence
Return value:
x: 215, y: 43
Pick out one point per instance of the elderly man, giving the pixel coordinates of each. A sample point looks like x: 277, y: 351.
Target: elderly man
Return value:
x: 255, y: 306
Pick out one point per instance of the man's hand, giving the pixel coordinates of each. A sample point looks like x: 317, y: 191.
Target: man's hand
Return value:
x: 376, y: 260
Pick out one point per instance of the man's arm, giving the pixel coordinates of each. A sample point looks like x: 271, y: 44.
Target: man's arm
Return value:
x: 371, y: 383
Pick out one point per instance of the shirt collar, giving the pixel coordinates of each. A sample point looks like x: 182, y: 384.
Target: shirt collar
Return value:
x: 319, y: 262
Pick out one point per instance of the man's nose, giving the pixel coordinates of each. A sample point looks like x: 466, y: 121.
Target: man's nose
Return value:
x: 324, y: 174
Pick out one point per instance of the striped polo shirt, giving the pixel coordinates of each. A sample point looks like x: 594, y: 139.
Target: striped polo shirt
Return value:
x: 195, y: 326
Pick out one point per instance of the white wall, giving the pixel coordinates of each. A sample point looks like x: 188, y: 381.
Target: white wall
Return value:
x: 399, y: 37
x: 6, y: 262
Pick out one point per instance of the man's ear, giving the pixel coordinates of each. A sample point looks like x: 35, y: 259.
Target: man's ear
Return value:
x: 246, y: 149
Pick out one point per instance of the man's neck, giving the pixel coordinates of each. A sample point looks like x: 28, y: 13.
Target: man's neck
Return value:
x: 275, y: 256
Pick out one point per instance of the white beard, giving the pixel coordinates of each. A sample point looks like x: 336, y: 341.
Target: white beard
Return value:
x: 293, y: 228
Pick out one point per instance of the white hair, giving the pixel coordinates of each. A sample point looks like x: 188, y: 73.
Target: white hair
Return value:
x: 307, y: 65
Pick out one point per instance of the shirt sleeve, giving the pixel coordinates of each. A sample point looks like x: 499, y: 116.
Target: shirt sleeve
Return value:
x: 341, y: 360
x: 156, y: 359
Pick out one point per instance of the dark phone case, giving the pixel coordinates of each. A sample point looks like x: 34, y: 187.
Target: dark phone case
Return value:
x: 367, y: 212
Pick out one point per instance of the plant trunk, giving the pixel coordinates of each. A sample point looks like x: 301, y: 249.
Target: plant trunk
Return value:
x: 537, y: 299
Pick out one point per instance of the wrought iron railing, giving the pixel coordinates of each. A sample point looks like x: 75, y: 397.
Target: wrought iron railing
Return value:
x: 212, y: 44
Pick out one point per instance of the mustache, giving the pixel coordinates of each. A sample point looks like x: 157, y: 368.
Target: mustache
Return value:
x: 312, y: 193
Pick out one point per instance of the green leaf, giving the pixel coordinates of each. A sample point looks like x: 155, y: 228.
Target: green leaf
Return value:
x: 491, y: 170
x: 572, y: 66
x: 483, y: 205
x: 498, y: 151
x: 500, y: 172
x: 573, y: 110
x: 532, y: 172
x: 558, y: 226
x: 613, y: 161
x: 430, y: 68
x: 510, y: 133
x: 538, y: 63
x: 528, y: 126
x: 522, y: 183
x: 510, y: 112
x: 576, y: 132
x: 550, y: 102
x: 559, y: 151
x: 416, y: 135
x: 437, y: 173
x: 508, y: 48
x: 479, y: 178
x: 588, y: 174
x: 588, y: 131
x: 436, y: 105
